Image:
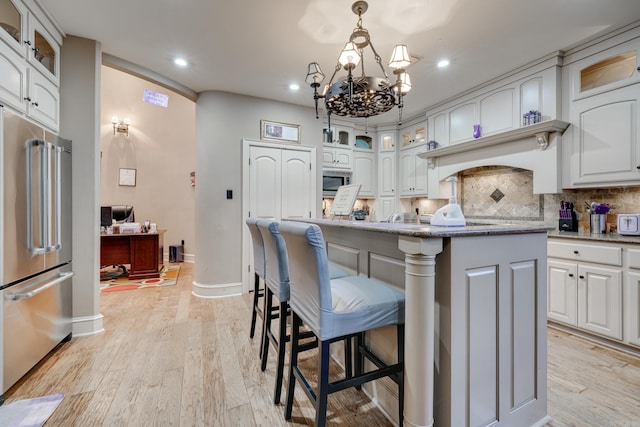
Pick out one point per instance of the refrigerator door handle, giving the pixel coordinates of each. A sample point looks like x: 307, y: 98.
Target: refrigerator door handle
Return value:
x: 35, y: 247
x: 25, y: 295
x: 57, y: 203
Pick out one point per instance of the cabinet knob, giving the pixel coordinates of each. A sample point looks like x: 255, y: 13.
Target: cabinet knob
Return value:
x: 35, y: 49
x: 570, y: 274
x: 582, y: 277
x: 638, y: 167
x: 27, y: 42
x: 576, y: 252
x: 35, y: 104
x: 28, y: 99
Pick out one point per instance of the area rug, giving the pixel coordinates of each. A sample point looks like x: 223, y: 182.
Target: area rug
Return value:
x: 113, y: 279
x: 29, y: 412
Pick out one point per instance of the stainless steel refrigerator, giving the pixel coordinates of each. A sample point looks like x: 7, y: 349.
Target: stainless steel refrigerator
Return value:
x: 35, y: 239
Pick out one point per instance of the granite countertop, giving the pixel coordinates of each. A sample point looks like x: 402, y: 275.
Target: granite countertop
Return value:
x: 427, y: 230
x: 605, y: 237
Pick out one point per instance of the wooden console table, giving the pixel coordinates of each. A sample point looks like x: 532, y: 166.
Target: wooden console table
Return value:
x: 142, y: 251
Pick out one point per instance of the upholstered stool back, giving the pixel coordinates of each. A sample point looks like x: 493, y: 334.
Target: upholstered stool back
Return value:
x: 276, y: 261
x: 258, y: 246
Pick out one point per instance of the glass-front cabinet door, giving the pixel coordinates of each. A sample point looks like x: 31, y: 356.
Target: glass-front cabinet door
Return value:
x: 13, y: 18
x: 44, y: 52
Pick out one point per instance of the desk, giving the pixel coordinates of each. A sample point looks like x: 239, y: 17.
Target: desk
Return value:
x: 142, y: 251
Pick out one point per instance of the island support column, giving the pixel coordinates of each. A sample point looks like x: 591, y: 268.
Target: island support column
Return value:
x: 420, y: 283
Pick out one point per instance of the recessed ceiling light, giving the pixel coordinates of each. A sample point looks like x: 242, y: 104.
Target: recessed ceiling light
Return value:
x: 294, y: 86
x: 443, y: 63
x: 180, y: 62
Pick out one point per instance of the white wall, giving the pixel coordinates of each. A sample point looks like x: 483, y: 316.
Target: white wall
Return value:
x: 222, y: 121
x: 160, y: 146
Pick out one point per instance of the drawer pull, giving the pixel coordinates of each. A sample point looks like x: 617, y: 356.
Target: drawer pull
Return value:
x: 576, y: 252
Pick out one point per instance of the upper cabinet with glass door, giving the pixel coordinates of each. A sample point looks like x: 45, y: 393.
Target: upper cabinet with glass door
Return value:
x: 44, y: 52
x: 363, y: 142
x: 24, y: 32
x: 337, y: 135
x: 413, y: 135
x: 13, y: 25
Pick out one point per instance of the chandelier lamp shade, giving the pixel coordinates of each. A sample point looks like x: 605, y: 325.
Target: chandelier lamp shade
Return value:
x: 361, y: 96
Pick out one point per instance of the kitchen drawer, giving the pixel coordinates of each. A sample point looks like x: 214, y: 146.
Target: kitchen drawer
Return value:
x: 609, y: 255
x: 633, y: 258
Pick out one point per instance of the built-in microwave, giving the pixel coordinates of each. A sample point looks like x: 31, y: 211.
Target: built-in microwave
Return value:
x: 332, y: 180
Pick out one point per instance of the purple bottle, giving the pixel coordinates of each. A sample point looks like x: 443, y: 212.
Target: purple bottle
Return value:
x: 476, y: 131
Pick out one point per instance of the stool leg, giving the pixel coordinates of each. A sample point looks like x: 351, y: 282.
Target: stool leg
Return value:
x: 348, y: 360
x: 282, y: 342
x: 293, y: 364
x: 323, y: 384
x: 268, y: 300
x: 358, y: 361
x: 254, y: 314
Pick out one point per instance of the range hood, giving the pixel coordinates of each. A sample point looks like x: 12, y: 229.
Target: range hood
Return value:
x: 535, y: 147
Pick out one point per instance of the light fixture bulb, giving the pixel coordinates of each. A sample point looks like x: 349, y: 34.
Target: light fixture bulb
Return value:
x: 405, y: 83
x: 114, y: 120
x: 349, y: 57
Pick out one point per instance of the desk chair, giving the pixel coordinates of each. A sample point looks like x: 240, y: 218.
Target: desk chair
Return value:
x: 259, y: 272
x: 277, y: 285
x: 334, y: 310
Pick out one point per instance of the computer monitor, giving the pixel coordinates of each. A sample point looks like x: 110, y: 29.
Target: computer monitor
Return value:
x: 122, y: 214
x: 106, y: 215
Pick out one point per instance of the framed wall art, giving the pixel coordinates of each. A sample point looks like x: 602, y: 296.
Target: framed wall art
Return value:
x: 127, y: 177
x: 282, y: 132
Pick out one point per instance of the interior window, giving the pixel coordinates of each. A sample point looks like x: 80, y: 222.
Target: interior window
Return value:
x: 610, y: 70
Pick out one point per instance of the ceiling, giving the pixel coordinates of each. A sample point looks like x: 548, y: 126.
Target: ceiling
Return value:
x: 258, y: 48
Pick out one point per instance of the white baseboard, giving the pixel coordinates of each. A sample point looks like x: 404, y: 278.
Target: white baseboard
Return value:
x: 89, y: 325
x: 203, y: 290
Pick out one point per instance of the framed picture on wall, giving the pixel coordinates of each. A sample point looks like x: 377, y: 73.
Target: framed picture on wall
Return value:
x: 127, y: 177
x: 279, y: 131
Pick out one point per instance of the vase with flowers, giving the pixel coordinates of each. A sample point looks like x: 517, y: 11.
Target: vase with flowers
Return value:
x: 598, y: 216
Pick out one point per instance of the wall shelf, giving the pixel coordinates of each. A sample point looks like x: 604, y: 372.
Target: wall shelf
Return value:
x: 539, y: 130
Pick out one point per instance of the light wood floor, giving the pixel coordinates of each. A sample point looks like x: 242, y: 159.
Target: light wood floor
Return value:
x: 167, y: 358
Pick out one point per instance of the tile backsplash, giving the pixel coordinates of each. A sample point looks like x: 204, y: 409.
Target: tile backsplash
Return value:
x: 506, y: 193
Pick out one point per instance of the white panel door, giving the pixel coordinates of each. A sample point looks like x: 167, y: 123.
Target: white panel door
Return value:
x: 562, y: 293
x: 600, y: 300
x: 265, y: 179
x: 296, y: 181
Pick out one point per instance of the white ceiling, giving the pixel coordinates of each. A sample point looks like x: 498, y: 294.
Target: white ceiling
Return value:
x: 259, y: 47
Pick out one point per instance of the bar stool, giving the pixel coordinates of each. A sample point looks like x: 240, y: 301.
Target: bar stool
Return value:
x: 259, y: 270
x: 335, y: 310
x: 277, y: 286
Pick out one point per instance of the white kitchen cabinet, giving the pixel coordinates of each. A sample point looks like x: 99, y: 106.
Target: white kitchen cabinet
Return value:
x: 337, y: 157
x: 387, y: 141
x: 585, y: 287
x: 364, y: 172
x: 562, y: 302
x: 386, y: 173
x: 600, y: 300
x: 30, y: 63
x: 413, y: 135
x: 606, y: 138
x: 632, y: 297
x: 338, y: 135
x: 413, y: 172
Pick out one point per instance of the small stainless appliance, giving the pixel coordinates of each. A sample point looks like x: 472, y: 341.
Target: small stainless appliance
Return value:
x: 629, y: 224
x: 332, y: 179
x: 35, y: 243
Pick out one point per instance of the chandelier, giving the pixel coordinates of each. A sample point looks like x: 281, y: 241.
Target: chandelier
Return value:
x: 363, y: 96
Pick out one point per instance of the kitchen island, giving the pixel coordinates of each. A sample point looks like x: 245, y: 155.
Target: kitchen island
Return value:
x: 475, y: 314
